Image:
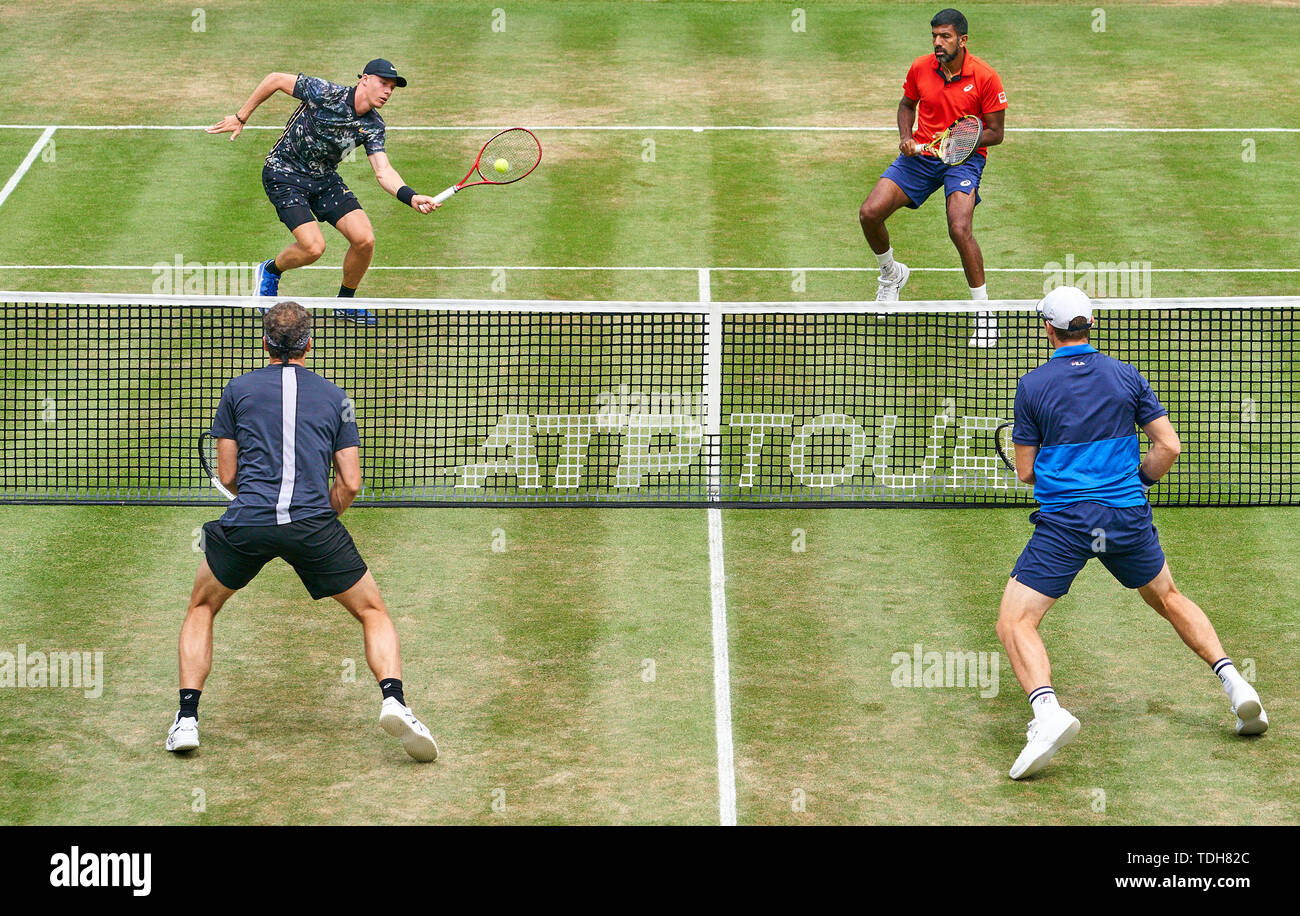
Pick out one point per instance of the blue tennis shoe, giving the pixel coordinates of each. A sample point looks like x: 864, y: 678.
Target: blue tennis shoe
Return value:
x: 265, y: 282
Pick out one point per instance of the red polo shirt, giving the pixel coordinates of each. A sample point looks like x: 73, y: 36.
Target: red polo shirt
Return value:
x: 976, y: 90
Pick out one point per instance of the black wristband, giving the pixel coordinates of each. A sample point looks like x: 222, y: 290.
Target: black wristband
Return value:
x: 239, y: 119
x: 1146, y: 481
x: 404, y: 194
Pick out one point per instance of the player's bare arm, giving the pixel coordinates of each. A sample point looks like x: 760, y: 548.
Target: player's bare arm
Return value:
x: 994, y: 127
x: 392, y: 182
x: 906, y: 120
x: 1165, y: 448
x: 1025, y: 455
x: 228, y: 463
x: 347, y: 478
x: 234, y: 124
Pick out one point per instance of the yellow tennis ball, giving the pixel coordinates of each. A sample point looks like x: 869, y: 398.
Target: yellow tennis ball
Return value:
x: 501, y: 166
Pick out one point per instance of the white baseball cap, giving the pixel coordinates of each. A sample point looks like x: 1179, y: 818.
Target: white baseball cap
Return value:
x: 1064, y: 304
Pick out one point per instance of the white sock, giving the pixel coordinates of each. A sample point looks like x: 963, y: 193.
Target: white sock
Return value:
x: 1043, y: 700
x: 979, y: 292
x: 886, y: 261
x: 1228, y: 674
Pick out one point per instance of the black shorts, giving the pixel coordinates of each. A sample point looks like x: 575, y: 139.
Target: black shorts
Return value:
x: 297, y: 198
x: 319, y: 549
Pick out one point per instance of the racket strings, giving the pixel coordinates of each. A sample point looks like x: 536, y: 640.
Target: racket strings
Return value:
x: 517, y: 147
x: 962, y: 140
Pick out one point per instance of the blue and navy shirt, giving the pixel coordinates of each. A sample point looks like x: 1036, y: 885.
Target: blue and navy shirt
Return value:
x: 288, y: 422
x: 1082, y: 409
x: 324, y: 129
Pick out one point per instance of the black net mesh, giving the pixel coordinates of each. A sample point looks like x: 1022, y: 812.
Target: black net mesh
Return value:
x: 558, y: 403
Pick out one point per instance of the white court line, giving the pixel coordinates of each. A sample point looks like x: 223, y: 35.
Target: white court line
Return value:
x: 721, y: 675
x: 169, y: 265
x: 695, y: 128
x: 717, y: 570
x: 27, y: 164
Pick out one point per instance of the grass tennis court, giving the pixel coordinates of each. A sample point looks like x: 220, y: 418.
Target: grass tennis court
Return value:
x: 570, y: 674
x: 530, y: 665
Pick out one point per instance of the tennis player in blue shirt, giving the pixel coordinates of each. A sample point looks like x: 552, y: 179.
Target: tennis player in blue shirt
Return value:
x: 1076, y: 441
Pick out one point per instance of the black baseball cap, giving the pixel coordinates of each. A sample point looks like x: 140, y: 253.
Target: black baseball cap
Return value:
x: 381, y: 67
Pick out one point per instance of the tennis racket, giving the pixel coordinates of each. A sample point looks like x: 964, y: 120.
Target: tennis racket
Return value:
x: 208, y: 459
x: 956, y: 144
x: 506, y: 158
x: 1005, y: 447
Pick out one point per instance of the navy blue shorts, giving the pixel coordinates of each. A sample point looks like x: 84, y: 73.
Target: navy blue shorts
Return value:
x: 298, y: 199
x: 1125, y: 540
x: 921, y: 176
x: 319, y: 549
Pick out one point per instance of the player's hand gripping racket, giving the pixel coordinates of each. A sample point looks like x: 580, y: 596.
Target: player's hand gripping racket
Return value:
x: 208, y: 459
x: 506, y: 158
x: 1006, y: 449
x: 958, y: 143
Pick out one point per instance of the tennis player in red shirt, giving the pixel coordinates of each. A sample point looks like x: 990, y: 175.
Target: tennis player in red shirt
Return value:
x: 940, y: 88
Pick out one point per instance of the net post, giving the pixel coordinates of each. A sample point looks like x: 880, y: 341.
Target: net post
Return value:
x: 712, y: 383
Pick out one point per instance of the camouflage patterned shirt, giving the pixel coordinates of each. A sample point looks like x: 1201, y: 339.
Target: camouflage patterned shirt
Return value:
x: 324, y: 129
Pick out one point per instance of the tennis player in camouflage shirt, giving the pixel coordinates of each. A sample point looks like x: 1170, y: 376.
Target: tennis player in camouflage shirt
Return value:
x: 301, y: 178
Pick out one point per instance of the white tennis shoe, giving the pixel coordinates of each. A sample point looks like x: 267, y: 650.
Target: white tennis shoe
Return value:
x: 1251, y: 718
x: 1047, y: 734
x: 401, y: 723
x: 183, y: 735
x: 891, y: 283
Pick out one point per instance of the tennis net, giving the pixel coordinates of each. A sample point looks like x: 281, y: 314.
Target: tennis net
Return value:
x: 479, y: 402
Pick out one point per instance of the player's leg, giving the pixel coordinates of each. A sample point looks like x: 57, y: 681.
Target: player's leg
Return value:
x: 1042, y: 574
x: 195, y: 654
x: 1189, y: 621
x: 885, y: 198
x: 323, y: 554
x: 883, y: 201
x: 961, y: 212
x: 307, y: 247
x: 364, y: 603
x: 355, y: 227
x: 1194, y: 628
x: 338, y: 206
x: 1019, y: 615
x: 961, y: 190
x: 907, y: 182
x: 206, y: 599
x: 1052, y: 727
x: 291, y: 196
